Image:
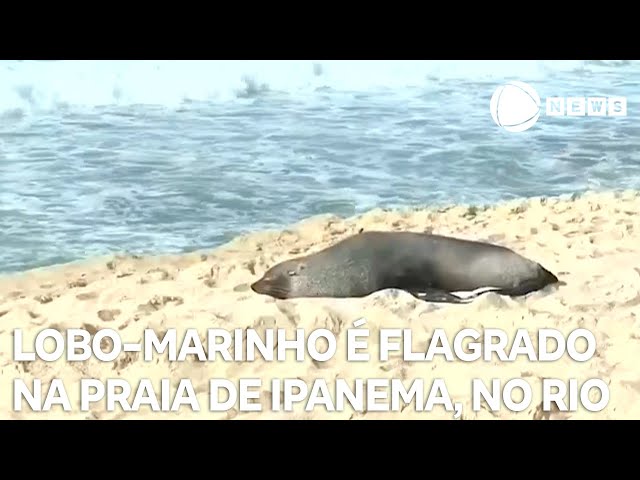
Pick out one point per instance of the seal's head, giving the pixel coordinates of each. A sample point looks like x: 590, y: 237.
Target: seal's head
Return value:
x: 282, y: 280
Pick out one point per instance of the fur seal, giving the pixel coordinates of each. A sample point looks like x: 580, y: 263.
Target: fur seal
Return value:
x: 430, y: 267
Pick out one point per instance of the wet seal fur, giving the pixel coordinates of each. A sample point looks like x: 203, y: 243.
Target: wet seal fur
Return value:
x: 430, y: 267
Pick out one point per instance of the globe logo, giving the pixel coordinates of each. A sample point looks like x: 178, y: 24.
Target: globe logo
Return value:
x: 515, y: 106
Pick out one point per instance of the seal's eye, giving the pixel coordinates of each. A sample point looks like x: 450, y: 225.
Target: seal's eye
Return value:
x: 292, y: 273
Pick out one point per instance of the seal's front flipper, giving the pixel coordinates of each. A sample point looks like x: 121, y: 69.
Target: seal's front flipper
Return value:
x: 438, y: 296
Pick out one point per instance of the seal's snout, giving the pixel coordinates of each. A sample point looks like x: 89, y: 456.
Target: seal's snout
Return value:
x: 256, y: 286
x: 274, y: 286
x: 260, y: 286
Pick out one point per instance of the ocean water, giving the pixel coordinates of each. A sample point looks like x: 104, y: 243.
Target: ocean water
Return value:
x: 174, y: 156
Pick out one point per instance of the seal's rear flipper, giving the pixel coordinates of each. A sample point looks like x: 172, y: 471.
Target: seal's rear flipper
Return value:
x: 528, y: 287
x: 438, y: 296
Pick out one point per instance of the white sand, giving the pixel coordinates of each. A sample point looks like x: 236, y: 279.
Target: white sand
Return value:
x: 592, y: 243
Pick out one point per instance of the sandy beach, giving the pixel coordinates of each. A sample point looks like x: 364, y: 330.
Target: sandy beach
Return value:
x: 591, y: 242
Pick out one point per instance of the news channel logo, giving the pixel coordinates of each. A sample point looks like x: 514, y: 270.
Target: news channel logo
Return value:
x: 516, y: 106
